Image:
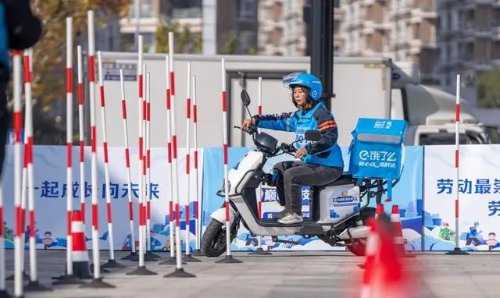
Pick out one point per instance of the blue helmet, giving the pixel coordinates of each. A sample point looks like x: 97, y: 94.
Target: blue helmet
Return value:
x: 307, y: 80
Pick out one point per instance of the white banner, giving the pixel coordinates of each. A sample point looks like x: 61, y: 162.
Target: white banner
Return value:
x: 50, y: 194
x: 479, y: 191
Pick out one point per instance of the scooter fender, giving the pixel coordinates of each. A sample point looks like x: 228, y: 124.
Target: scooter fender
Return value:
x: 220, y: 215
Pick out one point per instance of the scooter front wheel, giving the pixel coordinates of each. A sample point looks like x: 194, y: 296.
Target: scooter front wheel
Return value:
x: 213, y: 243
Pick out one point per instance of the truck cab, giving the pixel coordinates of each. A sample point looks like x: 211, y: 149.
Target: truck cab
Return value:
x: 430, y: 113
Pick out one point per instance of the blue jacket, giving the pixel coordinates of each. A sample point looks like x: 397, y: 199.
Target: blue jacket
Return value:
x: 324, y: 152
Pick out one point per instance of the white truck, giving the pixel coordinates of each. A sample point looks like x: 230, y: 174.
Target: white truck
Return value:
x: 363, y: 87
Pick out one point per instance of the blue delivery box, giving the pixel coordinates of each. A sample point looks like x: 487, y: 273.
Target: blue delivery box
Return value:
x: 376, y: 149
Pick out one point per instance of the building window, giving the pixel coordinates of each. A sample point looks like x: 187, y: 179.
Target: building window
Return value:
x: 247, y: 10
x: 146, y: 9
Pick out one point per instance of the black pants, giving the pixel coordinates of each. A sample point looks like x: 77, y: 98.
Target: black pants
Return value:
x: 292, y: 175
x: 4, y: 123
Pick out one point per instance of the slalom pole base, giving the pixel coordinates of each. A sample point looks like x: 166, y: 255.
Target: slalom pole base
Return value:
x: 171, y: 261
x: 457, y: 252
x: 4, y: 294
x: 228, y: 259
x: 131, y: 257
x: 190, y: 259
x: 198, y: 253
x: 97, y: 283
x: 141, y: 270
x: 150, y: 256
x: 261, y: 252
x: 25, y: 276
x: 179, y: 273
x: 35, y: 286
x: 67, y: 280
x: 103, y: 269
x: 112, y: 264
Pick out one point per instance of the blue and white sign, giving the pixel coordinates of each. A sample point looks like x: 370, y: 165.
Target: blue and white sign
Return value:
x: 376, y: 149
x: 479, y: 193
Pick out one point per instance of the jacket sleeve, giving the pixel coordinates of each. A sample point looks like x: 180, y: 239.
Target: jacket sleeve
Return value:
x: 285, y: 122
x: 24, y: 29
x: 328, y: 129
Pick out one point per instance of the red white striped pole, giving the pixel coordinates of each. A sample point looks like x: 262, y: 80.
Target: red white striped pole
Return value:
x: 457, y: 249
x: 196, y: 203
x: 457, y: 161
x: 171, y: 212
x: 224, y: 103
x: 69, y: 141
x: 147, y: 123
x: 179, y: 271
x: 171, y: 260
x: 142, y: 141
x: 141, y: 269
x: 93, y: 141
x: 33, y: 284
x: 127, y: 165
x: 226, y: 157
x: 259, y: 249
x: 178, y: 254
x: 142, y: 215
x: 109, y: 215
x: 187, y: 161
x: 81, y: 99
x: 97, y: 279
x: 259, y: 112
x: 19, y: 216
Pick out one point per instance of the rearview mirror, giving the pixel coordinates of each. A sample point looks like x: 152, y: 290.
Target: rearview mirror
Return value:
x: 312, y: 135
x: 245, y: 98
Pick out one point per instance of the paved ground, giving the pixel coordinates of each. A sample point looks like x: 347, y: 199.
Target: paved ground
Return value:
x: 314, y: 275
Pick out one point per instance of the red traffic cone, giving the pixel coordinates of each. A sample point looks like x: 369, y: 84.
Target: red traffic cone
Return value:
x: 79, y: 251
x: 379, y: 210
x: 372, y: 247
x: 398, y: 232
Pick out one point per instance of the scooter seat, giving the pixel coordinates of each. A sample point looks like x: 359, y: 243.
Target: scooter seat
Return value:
x: 343, y: 180
x: 275, y: 223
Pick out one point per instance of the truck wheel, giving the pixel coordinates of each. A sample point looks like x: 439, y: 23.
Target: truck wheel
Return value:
x: 357, y: 247
x: 213, y: 242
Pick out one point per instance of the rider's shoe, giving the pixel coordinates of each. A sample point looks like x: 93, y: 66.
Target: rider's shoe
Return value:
x: 291, y: 218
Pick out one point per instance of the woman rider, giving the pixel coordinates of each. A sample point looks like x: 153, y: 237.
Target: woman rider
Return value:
x: 320, y: 162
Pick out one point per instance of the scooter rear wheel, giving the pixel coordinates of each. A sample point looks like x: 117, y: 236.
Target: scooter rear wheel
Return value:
x: 357, y: 247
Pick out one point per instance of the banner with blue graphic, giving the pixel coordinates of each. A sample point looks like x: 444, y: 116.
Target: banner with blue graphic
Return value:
x: 479, y: 197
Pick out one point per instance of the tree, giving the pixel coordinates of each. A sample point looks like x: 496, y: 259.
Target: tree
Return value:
x: 488, y: 89
x: 49, y: 53
x: 186, y: 41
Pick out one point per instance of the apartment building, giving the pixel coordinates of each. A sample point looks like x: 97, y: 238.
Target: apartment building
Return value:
x: 405, y: 30
x: 152, y: 13
x: 469, y: 39
x: 281, y: 28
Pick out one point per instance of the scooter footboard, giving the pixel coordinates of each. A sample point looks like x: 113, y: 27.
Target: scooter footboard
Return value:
x: 220, y: 215
x: 358, y: 232
x: 256, y: 227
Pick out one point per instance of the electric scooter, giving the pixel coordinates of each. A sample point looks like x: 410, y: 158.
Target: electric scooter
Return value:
x: 339, y: 211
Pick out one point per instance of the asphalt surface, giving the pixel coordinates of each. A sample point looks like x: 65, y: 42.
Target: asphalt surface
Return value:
x: 297, y: 274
